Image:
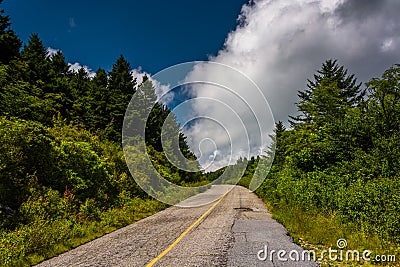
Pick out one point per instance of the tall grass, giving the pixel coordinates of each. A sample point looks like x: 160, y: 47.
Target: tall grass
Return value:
x: 42, y: 239
x: 320, y: 231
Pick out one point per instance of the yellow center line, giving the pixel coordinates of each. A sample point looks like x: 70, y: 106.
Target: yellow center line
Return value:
x: 185, y: 232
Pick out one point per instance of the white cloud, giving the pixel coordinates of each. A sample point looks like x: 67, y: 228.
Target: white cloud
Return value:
x: 75, y: 67
x: 280, y: 44
x: 231, y: 111
x: 51, y: 51
x: 162, y: 91
x: 138, y: 74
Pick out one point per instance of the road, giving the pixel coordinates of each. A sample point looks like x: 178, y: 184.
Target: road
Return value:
x: 237, y: 230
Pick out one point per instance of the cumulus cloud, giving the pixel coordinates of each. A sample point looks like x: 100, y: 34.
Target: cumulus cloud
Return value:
x: 232, y: 115
x: 280, y: 44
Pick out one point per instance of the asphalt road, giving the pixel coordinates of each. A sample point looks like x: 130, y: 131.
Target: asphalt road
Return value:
x: 235, y: 231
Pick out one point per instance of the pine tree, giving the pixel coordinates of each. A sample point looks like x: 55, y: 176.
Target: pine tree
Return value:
x: 79, y: 86
x: 59, y: 66
x: 121, y: 87
x: 331, y: 91
x: 277, y: 148
x: 9, y: 41
x: 35, y: 55
x: 99, y: 96
x: 58, y: 88
x: 142, y: 113
x: 121, y: 80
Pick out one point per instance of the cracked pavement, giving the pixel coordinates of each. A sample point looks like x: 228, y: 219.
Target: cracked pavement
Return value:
x: 232, y: 234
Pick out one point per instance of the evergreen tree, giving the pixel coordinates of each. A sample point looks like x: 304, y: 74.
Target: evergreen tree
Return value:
x: 35, y: 55
x: 59, y: 66
x: 277, y: 145
x: 322, y: 135
x: 331, y: 91
x: 121, y: 87
x: 145, y: 100
x: 99, y: 97
x: 58, y: 88
x: 79, y: 86
x: 154, y: 125
x: 121, y: 80
x: 9, y: 41
x: 100, y: 79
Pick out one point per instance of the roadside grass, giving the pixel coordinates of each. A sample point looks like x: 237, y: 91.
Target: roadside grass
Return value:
x: 319, y: 231
x: 30, y: 244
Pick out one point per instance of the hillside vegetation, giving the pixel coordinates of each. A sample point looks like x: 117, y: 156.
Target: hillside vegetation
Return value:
x: 336, y: 169
x: 63, y: 174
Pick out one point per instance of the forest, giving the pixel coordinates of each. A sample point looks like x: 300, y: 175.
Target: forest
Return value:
x: 63, y: 175
x: 64, y: 179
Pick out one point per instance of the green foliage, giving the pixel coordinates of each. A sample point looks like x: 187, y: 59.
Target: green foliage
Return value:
x: 35, y: 55
x: 64, y: 179
x: 121, y: 88
x: 373, y: 205
x: 320, y: 231
x: 72, y: 186
x: 45, y: 236
x: 343, y: 157
x: 25, y: 151
x: 384, y: 104
x: 23, y: 100
x: 63, y: 174
x: 328, y: 95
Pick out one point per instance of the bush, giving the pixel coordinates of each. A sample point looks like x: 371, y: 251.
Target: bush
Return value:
x: 25, y: 151
x: 374, y: 206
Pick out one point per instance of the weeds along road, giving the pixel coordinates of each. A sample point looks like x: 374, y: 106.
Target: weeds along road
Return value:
x: 229, y: 232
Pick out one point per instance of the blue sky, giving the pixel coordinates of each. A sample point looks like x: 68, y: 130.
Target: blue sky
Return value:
x: 278, y: 45
x: 151, y: 34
